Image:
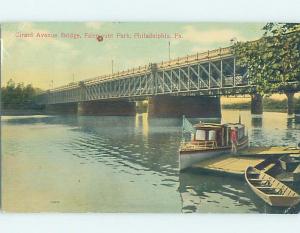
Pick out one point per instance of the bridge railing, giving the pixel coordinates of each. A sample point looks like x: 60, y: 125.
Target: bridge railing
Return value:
x: 210, y: 54
x: 124, y: 73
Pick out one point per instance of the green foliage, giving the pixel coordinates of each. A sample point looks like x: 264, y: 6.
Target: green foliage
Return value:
x: 272, y: 104
x: 18, y: 96
x: 240, y: 106
x: 274, y: 60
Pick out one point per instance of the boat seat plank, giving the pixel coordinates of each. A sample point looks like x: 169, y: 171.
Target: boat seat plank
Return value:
x: 253, y: 173
x: 269, y: 167
x: 258, y: 179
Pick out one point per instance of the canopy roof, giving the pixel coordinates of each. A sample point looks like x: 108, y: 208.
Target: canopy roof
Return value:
x: 212, y: 126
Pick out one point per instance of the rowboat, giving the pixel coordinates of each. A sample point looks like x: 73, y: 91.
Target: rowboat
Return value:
x: 269, y: 189
x: 208, y: 141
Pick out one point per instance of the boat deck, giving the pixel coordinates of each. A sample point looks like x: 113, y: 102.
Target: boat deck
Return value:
x: 237, y: 164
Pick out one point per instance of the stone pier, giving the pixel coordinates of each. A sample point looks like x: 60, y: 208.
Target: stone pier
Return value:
x: 256, y: 103
x: 190, y: 106
x: 64, y: 108
x: 290, y: 103
x: 107, y: 108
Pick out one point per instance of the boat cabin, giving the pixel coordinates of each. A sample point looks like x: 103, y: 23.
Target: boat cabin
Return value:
x: 216, y: 134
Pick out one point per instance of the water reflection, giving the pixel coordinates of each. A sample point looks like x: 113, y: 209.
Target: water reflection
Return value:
x: 141, y: 122
x: 256, y: 121
x: 290, y: 123
x: 139, y: 155
x: 206, y: 193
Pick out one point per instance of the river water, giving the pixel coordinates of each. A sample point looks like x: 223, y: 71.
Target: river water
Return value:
x: 122, y: 164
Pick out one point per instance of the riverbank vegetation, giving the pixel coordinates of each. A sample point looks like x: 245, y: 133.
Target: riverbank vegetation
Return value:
x: 17, y: 96
x: 273, y: 61
x: 268, y: 103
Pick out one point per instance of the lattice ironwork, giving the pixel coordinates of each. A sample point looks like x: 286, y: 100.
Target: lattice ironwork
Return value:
x: 211, y: 73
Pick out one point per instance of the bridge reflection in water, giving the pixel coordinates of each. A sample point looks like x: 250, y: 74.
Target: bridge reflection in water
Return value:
x: 132, y: 159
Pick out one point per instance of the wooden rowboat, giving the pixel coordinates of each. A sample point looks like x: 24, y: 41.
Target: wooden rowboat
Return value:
x: 269, y: 189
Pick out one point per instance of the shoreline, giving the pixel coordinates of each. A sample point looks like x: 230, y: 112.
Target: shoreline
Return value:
x: 17, y: 112
x: 248, y: 109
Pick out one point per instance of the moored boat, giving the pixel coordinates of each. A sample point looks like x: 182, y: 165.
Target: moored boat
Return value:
x: 208, y: 141
x: 269, y: 189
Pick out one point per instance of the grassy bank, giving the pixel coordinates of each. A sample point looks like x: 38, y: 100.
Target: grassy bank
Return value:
x: 269, y: 105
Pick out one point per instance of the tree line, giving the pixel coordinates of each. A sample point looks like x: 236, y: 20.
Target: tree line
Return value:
x: 268, y: 104
x: 273, y: 61
x: 18, y: 96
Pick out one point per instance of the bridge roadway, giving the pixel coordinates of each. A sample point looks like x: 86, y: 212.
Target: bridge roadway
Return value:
x: 209, y: 74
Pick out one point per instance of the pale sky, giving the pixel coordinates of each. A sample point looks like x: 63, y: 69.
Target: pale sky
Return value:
x: 38, y: 60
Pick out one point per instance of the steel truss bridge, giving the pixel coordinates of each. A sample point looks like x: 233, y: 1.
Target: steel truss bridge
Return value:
x: 211, y: 73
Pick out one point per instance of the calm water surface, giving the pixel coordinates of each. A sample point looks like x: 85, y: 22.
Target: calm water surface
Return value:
x: 122, y: 164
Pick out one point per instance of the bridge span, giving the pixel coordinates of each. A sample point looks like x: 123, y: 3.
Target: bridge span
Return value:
x: 190, y: 85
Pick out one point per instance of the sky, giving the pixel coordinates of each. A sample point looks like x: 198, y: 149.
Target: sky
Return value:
x: 29, y: 58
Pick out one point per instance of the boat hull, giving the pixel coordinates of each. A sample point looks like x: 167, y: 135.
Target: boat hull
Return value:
x: 274, y: 200
x: 271, y: 199
x: 189, y: 158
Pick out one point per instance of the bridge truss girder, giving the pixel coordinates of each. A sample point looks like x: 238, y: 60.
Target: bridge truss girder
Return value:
x: 212, y: 77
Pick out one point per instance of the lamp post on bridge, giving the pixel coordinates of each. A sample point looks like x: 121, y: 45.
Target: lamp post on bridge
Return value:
x: 169, y: 50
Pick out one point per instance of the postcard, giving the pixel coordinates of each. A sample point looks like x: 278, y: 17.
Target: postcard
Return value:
x: 150, y: 117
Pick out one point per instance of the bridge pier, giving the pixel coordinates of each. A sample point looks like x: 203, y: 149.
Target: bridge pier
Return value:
x: 107, y: 108
x: 62, y: 108
x: 190, y: 106
x: 290, y: 103
x: 256, y: 103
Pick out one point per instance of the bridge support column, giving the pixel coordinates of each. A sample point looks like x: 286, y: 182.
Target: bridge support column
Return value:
x: 65, y: 108
x: 107, y: 108
x: 190, y: 106
x: 256, y: 103
x: 290, y: 103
